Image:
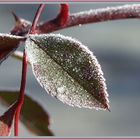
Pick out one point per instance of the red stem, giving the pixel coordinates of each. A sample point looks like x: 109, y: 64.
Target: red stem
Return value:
x: 24, y: 72
x: 22, y: 90
x: 85, y: 17
x: 36, y: 18
x: 63, y: 15
x: 93, y: 16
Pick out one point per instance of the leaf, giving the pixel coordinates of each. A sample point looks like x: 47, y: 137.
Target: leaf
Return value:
x: 6, y: 120
x: 68, y: 70
x: 8, y: 43
x: 33, y: 116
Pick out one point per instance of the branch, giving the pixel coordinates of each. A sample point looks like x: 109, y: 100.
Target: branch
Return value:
x: 63, y: 15
x: 93, y: 16
x: 21, y: 95
x: 24, y: 72
x: 36, y: 18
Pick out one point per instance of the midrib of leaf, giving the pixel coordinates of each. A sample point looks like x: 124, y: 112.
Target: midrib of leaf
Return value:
x: 95, y: 97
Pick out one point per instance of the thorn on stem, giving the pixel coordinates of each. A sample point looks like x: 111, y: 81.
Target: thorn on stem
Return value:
x: 17, y: 19
x: 21, y: 26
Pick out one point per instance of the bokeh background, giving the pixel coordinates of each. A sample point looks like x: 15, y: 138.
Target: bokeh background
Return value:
x: 116, y: 45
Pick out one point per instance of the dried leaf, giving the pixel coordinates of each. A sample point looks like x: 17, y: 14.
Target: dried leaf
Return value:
x: 6, y: 120
x: 68, y: 70
x: 8, y: 43
x: 35, y: 118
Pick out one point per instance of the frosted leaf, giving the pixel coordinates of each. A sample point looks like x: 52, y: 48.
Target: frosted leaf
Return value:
x: 8, y: 43
x: 68, y: 70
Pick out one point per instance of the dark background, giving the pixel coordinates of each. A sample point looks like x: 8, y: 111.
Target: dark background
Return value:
x: 116, y: 45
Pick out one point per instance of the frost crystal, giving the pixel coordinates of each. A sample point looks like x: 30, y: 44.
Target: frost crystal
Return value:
x: 68, y: 70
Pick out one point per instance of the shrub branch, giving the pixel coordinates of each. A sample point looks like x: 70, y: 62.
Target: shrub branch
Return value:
x: 93, y: 16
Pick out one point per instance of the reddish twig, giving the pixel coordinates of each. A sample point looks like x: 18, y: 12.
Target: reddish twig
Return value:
x: 63, y: 15
x: 93, y: 16
x: 21, y: 95
x: 36, y: 18
x: 24, y: 73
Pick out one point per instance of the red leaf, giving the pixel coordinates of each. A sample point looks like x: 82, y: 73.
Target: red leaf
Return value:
x: 33, y: 115
x: 8, y: 43
x: 6, y: 120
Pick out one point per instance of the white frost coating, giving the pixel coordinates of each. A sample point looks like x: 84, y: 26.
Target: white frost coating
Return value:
x: 61, y: 90
x: 133, y: 9
x: 10, y: 36
x: 58, y: 82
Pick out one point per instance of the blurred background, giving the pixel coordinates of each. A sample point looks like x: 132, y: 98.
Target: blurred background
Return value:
x: 116, y: 45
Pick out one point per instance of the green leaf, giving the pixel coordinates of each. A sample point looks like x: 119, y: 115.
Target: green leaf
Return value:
x: 33, y: 116
x: 68, y: 70
x: 8, y: 43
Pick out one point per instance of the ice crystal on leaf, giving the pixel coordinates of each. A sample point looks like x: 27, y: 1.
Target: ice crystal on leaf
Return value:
x: 68, y: 70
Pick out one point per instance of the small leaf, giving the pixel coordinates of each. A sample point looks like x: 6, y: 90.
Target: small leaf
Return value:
x: 68, y: 70
x: 8, y: 43
x: 33, y: 116
x: 6, y: 120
